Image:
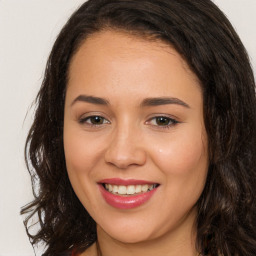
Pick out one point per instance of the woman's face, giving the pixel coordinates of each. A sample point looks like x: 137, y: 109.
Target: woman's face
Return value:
x: 134, y: 124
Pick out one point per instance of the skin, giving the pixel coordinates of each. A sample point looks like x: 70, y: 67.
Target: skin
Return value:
x: 130, y: 143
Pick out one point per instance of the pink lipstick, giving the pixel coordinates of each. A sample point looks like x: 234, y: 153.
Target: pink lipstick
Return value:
x: 126, y: 194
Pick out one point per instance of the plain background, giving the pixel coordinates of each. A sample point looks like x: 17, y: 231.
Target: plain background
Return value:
x: 28, y: 29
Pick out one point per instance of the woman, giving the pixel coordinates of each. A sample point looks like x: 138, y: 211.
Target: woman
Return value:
x: 143, y: 141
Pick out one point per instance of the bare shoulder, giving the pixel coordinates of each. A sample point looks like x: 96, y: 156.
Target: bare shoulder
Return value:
x: 91, y: 251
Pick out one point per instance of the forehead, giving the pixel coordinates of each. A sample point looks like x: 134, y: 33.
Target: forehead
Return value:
x: 109, y: 61
x: 124, y: 46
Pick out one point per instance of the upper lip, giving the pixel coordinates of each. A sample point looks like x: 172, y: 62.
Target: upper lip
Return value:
x: 125, y: 182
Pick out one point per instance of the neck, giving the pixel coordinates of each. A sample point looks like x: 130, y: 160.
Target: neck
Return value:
x: 179, y: 241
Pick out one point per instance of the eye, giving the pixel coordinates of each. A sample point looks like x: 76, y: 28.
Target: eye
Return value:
x: 162, y: 121
x: 94, y: 120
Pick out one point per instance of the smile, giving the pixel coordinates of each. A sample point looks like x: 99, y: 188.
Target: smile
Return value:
x: 126, y: 194
x: 130, y: 189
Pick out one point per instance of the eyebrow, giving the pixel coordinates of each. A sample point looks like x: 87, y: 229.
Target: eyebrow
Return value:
x: 90, y: 99
x: 158, y: 101
x: 163, y: 101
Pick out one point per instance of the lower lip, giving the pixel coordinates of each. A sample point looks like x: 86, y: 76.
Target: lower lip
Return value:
x: 125, y: 202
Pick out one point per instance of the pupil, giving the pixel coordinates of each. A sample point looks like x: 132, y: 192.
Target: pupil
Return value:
x: 162, y: 121
x: 97, y: 120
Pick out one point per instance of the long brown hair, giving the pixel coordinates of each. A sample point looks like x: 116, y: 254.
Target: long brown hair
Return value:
x: 203, y: 36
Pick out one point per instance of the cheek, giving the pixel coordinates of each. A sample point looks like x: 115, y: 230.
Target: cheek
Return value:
x: 81, y: 157
x: 76, y: 157
x: 184, y: 163
x: 80, y: 154
x: 183, y: 154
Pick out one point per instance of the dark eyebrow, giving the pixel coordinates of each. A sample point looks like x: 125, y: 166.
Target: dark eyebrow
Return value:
x: 163, y: 101
x: 146, y: 102
x: 90, y: 99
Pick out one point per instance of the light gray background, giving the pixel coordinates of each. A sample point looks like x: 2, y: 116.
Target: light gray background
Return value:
x: 28, y: 29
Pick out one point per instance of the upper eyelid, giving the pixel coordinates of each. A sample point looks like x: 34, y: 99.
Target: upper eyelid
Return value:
x: 83, y: 119
x: 92, y: 114
x: 172, y: 117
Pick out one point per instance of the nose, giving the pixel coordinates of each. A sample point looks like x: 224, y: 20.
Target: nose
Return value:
x: 125, y: 149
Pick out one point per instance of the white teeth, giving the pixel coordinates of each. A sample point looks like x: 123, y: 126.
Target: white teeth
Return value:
x: 130, y: 189
x: 138, y: 189
x: 122, y: 190
x: 144, y: 188
x: 115, y: 189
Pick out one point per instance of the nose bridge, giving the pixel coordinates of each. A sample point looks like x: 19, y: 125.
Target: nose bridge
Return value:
x: 125, y: 148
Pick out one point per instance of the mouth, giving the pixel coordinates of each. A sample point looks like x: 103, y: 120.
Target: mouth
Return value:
x: 127, y: 194
x: 129, y: 190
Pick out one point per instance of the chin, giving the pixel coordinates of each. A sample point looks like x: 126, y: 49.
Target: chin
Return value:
x: 129, y: 233
x: 132, y: 237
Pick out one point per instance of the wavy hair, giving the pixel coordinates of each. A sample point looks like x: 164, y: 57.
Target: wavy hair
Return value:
x: 203, y: 36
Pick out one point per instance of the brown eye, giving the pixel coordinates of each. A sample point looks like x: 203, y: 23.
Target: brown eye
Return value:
x: 94, y: 120
x: 163, y: 121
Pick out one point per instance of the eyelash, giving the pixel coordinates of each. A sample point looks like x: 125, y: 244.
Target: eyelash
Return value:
x: 85, y: 120
x: 170, y: 121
